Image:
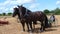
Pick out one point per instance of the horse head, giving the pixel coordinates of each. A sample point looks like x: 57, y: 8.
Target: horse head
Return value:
x: 15, y: 12
x: 22, y: 9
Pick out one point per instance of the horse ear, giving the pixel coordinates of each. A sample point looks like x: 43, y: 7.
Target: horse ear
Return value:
x: 18, y: 5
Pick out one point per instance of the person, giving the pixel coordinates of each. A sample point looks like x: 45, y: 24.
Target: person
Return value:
x: 52, y: 19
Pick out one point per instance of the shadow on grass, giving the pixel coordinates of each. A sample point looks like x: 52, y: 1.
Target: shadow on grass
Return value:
x: 56, y: 26
x: 37, y: 30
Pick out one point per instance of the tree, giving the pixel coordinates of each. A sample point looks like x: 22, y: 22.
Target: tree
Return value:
x: 10, y: 13
x: 3, y: 14
x: 57, y: 11
x: 46, y: 11
x: 52, y: 11
x: 0, y: 14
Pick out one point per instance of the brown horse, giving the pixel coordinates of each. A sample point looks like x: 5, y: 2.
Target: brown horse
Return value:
x: 26, y: 16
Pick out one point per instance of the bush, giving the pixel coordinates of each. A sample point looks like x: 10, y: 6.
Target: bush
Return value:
x: 9, y: 13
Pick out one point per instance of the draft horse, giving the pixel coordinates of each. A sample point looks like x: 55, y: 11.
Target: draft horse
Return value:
x: 26, y: 16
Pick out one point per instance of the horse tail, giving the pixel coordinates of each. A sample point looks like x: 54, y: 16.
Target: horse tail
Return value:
x: 46, y: 22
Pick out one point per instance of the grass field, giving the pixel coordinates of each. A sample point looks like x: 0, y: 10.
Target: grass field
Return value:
x: 16, y: 28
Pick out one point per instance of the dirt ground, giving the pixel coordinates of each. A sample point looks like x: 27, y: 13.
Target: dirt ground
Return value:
x: 16, y: 28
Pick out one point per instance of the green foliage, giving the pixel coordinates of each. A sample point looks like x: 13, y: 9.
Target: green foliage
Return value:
x: 3, y: 14
x: 10, y: 13
x: 0, y: 14
x: 46, y: 11
x: 55, y: 11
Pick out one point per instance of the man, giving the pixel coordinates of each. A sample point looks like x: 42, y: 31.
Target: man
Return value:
x: 52, y: 19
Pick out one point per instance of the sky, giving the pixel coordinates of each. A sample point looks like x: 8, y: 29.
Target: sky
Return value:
x: 33, y: 5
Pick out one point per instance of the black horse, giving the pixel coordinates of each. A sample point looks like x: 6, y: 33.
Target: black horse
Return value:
x: 16, y: 12
x: 26, y: 16
x: 22, y: 18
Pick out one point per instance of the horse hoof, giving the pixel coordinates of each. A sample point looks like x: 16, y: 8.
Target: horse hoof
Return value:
x: 28, y: 30
x: 41, y: 30
x: 22, y: 31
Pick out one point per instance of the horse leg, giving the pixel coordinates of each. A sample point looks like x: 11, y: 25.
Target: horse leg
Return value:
x: 23, y: 24
x: 34, y: 22
x: 27, y: 25
x: 30, y: 23
x: 42, y: 26
x: 34, y: 26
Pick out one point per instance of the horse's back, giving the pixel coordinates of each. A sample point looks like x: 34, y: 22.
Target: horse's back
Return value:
x: 38, y: 15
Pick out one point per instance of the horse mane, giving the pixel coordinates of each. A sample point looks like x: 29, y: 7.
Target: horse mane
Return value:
x: 16, y: 9
x: 27, y: 9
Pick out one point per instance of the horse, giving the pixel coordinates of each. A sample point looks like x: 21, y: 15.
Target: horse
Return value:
x: 26, y: 16
x: 23, y: 20
x: 30, y: 17
x: 16, y: 12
